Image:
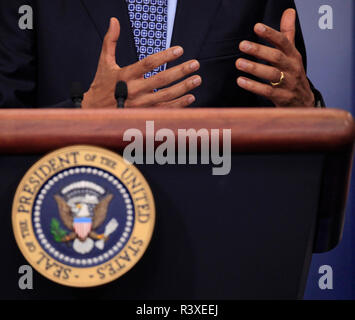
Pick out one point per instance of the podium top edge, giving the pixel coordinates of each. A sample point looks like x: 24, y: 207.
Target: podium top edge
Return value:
x: 252, y: 129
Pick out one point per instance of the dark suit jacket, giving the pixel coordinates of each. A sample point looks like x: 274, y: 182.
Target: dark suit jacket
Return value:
x: 38, y: 67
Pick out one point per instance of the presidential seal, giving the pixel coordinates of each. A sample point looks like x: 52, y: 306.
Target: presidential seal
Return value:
x: 82, y: 216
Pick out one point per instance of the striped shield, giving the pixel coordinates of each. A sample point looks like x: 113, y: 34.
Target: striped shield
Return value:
x: 82, y: 227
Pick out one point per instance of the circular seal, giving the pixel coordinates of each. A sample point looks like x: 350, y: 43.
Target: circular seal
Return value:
x: 82, y: 216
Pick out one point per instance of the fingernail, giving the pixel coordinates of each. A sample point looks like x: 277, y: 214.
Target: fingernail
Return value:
x: 194, y: 65
x: 197, y: 81
x: 178, y: 51
x: 245, y: 45
x: 260, y: 28
x: 242, y: 64
x: 191, y: 99
x: 242, y: 82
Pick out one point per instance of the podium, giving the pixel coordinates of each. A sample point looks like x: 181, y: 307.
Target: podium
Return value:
x: 246, y: 235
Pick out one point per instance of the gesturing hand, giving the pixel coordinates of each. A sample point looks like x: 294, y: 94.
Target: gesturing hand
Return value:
x: 291, y: 90
x: 141, y: 91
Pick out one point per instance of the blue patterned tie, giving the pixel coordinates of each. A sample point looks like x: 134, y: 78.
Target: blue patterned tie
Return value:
x: 149, y: 19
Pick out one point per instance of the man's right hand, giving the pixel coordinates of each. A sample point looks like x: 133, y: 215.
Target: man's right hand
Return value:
x: 141, y: 91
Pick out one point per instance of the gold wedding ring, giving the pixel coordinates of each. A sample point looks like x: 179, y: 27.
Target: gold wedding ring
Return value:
x: 282, y: 78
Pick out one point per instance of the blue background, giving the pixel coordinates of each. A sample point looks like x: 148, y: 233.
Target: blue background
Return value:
x: 331, y: 69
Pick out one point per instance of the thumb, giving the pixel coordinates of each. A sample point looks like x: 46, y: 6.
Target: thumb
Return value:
x: 288, y: 24
x: 110, y: 41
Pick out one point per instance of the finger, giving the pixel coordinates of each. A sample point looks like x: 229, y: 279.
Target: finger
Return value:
x: 177, y: 90
x: 288, y: 24
x: 179, y: 103
x: 167, y: 77
x: 169, y: 94
x: 110, y: 41
x: 258, y: 88
x: 274, y: 56
x: 276, y: 38
x: 259, y: 70
x: 140, y: 68
x: 279, y: 96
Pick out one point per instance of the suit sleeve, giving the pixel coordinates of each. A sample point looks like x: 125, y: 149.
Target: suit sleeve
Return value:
x: 18, y: 59
x: 273, y: 13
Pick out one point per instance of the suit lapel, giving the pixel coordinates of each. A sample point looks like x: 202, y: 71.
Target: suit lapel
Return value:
x: 100, y: 13
x: 192, y: 21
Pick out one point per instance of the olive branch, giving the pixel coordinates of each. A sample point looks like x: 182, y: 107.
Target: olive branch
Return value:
x: 57, y: 232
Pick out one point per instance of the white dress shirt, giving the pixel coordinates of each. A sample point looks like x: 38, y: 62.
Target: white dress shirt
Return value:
x: 172, y: 4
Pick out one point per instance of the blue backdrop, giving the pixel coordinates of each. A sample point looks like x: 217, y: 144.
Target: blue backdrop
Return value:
x: 331, y: 68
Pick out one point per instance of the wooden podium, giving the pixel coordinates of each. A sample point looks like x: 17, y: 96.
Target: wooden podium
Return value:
x: 246, y: 235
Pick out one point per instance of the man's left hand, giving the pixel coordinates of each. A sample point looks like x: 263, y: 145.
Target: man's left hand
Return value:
x: 292, y: 91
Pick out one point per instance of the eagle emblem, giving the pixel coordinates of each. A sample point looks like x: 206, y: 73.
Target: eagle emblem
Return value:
x: 82, y: 225
x: 82, y: 215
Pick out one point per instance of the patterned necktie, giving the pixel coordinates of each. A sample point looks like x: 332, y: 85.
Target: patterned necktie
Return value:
x: 149, y: 19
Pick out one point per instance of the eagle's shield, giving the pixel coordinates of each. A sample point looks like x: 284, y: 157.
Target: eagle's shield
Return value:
x: 82, y: 227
